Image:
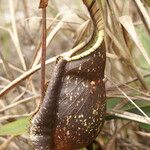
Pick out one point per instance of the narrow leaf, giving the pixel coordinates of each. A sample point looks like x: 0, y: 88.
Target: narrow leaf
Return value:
x: 17, y: 127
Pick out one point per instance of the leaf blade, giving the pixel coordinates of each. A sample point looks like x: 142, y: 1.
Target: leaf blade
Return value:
x: 17, y: 127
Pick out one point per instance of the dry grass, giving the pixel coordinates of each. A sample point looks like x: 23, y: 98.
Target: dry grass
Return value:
x: 127, y: 26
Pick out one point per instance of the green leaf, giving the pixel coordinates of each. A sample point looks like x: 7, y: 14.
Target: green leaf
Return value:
x: 148, y: 2
x: 144, y: 126
x: 145, y: 109
x: 142, y: 104
x: 145, y: 40
x: 112, y: 102
x: 17, y: 127
x: 82, y: 149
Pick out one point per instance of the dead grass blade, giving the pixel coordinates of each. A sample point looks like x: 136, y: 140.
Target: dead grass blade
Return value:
x: 140, y: 110
x: 147, y: 135
x: 112, y: 142
x: 129, y: 116
x: 25, y: 100
x: 6, y: 67
x: 6, y: 143
x: 81, y: 32
x: 143, y: 13
x: 125, y: 55
x: 13, y: 67
x: 15, y: 35
x: 127, y: 23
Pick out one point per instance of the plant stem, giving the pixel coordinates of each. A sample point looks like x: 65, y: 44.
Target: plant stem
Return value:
x: 43, y: 52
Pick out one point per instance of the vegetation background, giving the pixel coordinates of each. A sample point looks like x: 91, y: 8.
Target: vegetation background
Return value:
x: 127, y: 27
